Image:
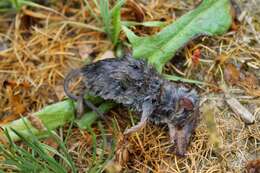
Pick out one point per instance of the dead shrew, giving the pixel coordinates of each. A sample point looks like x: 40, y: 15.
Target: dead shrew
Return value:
x: 137, y: 85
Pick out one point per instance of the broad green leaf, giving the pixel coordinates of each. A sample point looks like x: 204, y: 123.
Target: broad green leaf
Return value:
x: 211, y: 17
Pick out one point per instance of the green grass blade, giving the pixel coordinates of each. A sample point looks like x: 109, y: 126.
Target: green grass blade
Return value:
x: 103, y: 143
x: 180, y: 79
x: 19, y: 157
x: 54, y: 151
x: 65, y: 152
x: 118, y: 5
x: 34, y: 144
x: 94, y: 143
x: 113, y: 147
x: 106, y: 16
x: 116, y: 21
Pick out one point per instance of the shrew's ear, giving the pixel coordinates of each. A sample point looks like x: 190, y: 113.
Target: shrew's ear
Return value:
x: 186, y: 103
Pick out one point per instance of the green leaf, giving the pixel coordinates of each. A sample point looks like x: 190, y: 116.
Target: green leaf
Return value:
x: 211, y: 17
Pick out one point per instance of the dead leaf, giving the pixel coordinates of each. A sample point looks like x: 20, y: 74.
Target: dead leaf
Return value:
x: 59, y: 91
x: 231, y: 74
x: 36, y: 122
x: 234, y: 26
x: 9, y: 83
x: 239, y: 109
x: 196, y: 56
x: 250, y: 83
x: 17, y: 106
x: 122, y: 150
x: 51, y: 142
x: 25, y: 85
x: 13, y: 84
x: 108, y: 54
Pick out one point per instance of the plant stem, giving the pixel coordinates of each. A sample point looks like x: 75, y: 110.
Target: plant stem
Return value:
x: 54, y: 116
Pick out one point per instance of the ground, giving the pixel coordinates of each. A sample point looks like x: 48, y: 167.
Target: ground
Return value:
x: 38, y: 48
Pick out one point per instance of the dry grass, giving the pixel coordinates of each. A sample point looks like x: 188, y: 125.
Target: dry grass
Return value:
x: 41, y: 47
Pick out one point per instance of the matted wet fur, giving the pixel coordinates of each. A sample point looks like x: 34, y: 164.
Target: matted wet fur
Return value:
x: 138, y: 86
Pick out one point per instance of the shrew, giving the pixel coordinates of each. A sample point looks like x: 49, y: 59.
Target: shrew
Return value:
x: 138, y: 86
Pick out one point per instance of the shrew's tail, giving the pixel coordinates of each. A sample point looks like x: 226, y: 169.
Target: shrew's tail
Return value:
x: 70, y: 76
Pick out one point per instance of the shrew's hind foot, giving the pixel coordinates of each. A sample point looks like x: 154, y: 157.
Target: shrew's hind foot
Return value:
x: 80, y: 107
x: 83, y: 104
x: 136, y: 128
x: 147, y: 111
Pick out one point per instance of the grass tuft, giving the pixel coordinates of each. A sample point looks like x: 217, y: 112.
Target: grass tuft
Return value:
x: 111, y: 19
x: 38, y: 157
